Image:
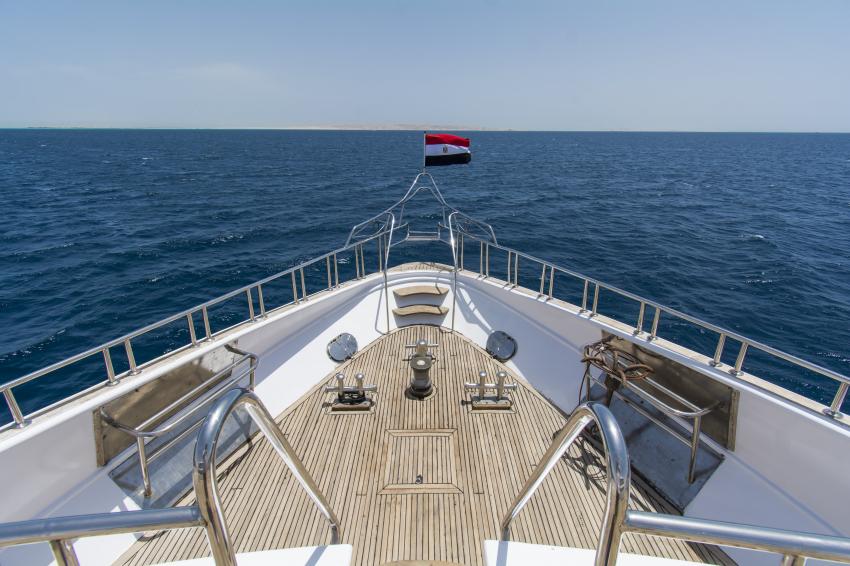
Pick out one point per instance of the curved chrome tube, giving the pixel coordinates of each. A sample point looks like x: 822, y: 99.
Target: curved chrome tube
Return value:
x: 453, y: 243
x: 204, y: 473
x: 619, y: 475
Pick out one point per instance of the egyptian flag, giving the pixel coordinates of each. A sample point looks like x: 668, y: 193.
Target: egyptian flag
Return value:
x: 446, y: 149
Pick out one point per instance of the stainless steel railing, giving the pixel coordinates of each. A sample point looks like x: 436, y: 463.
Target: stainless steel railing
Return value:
x: 59, y: 531
x: 381, y: 228
x: 143, y: 431
x: 207, y: 512
x: 590, y: 307
x: 619, y: 475
x: 253, y: 294
x: 795, y: 547
x: 204, y: 475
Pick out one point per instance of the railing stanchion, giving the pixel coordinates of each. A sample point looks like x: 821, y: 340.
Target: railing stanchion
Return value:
x: 20, y: 421
x: 303, y: 286
x: 641, y: 314
x: 718, y: 352
x: 739, y: 361
x: 250, y: 304
x: 191, y: 324
x: 584, y: 296
x: 551, y: 281
x: 131, y: 359
x: 336, y: 272
x: 481, y: 259
x: 294, y: 288
x: 516, y: 270
x: 262, y: 301
x: 461, y: 251
x: 206, y: 317
x: 595, y: 298
x: 793, y: 560
x: 362, y: 262
x: 330, y: 281
x: 692, y: 464
x: 110, y: 369
x: 64, y: 553
x: 486, y: 259
x: 655, y: 320
x: 356, y: 263
x: 542, y: 279
x: 143, y: 464
x: 508, y: 275
x: 834, y: 409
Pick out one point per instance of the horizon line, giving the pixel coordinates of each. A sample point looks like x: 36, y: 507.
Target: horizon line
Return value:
x: 411, y: 129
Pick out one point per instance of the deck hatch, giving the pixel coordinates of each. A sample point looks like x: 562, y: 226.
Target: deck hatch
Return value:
x: 420, y: 461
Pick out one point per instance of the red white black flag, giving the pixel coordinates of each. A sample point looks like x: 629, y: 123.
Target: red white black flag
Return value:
x: 446, y: 149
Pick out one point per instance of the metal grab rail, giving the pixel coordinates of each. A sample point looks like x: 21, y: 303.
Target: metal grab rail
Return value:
x: 619, y: 475
x: 204, y: 475
x: 59, y: 531
x: 723, y: 334
x: 694, y: 412
x: 141, y: 432
x: 387, y: 223
x: 795, y: 547
x: 126, y: 342
x: 207, y: 512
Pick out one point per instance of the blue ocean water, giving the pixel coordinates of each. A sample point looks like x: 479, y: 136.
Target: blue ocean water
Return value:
x: 104, y: 231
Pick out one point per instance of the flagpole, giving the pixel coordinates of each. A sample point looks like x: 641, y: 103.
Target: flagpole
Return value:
x: 424, y: 133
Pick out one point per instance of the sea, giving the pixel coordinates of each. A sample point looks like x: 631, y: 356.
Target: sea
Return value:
x: 105, y: 231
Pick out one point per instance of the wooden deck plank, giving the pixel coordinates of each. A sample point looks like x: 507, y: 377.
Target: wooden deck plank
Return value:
x: 353, y: 458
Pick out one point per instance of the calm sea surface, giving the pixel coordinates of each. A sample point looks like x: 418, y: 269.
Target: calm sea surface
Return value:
x: 105, y: 231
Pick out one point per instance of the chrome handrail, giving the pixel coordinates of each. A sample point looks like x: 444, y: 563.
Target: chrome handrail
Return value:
x: 453, y: 244
x: 126, y: 341
x: 619, y: 475
x: 385, y: 265
x: 723, y: 333
x: 141, y: 432
x: 387, y: 228
x: 795, y: 547
x: 59, y: 531
x: 207, y: 511
x: 204, y: 475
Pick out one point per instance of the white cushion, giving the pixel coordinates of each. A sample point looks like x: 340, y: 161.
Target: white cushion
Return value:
x: 333, y: 555
x: 500, y: 553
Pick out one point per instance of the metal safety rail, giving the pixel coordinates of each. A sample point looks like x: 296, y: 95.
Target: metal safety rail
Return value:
x: 143, y: 431
x: 256, y: 309
x: 207, y: 512
x: 548, y: 271
x: 795, y: 547
x: 691, y: 412
x: 381, y: 229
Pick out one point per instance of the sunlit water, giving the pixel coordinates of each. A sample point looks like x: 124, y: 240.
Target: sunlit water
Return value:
x: 106, y: 231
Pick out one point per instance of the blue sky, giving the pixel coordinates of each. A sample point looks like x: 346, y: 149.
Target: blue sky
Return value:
x: 607, y: 65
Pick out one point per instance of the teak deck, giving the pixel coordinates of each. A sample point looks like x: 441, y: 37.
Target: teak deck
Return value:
x: 469, y: 467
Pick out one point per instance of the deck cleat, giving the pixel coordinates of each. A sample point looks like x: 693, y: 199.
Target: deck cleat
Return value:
x: 498, y: 401
x: 350, y: 398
